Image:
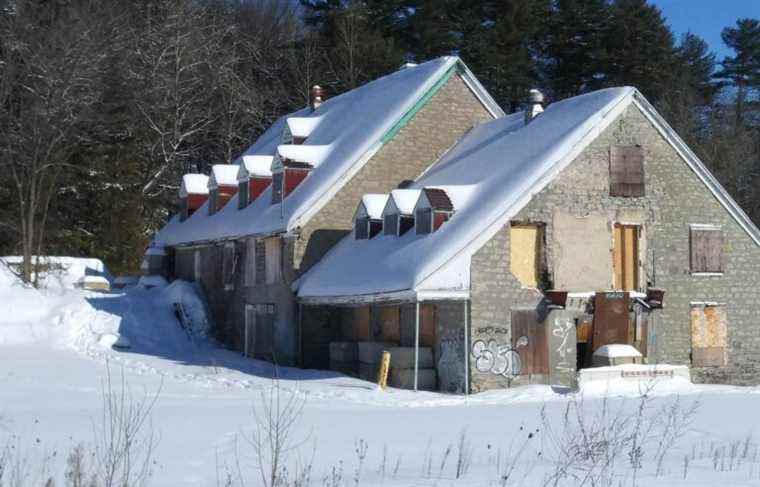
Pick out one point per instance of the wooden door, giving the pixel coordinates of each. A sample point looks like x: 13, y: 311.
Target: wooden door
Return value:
x: 427, y: 325
x: 611, y: 319
x: 529, y: 340
x: 626, y: 257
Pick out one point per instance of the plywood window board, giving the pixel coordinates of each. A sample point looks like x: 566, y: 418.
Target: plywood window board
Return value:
x: 625, y: 255
x: 709, y: 336
x: 526, y: 241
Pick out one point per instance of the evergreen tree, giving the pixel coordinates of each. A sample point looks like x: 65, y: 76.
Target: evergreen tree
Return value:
x: 640, y: 49
x: 574, y: 48
x: 742, y: 70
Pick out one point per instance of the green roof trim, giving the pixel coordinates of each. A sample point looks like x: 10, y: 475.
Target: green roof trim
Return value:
x: 420, y: 103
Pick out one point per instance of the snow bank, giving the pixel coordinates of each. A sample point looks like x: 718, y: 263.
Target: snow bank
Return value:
x: 190, y: 296
x: 64, y: 272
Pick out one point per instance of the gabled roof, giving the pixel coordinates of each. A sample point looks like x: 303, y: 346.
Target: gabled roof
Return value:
x: 223, y: 175
x: 403, y: 201
x: 260, y: 166
x: 193, y: 184
x: 490, y: 175
x: 350, y: 129
x: 371, y: 206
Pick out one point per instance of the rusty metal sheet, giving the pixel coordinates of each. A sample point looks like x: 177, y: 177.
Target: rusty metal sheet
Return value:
x: 361, y: 317
x: 427, y: 325
x: 390, y: 324
x: 611, y: 319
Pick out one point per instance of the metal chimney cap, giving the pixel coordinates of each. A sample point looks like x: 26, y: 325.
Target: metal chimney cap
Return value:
x: 535, y: 96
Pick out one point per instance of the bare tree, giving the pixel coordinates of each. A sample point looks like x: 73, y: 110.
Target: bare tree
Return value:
x: 49, y: 63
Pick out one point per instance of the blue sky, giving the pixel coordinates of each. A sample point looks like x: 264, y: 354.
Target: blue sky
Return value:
x: 707, y: 18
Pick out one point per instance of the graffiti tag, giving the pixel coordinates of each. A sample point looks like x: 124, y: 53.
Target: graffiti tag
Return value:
x: 496, y: 359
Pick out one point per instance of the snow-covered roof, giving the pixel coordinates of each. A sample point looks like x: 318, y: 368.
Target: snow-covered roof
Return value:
x: 302, y: 126
x: 350, y: 129
x: 223, y: 175
x: 616, y: 350
x: 310, y: 154
x: 255, y: 166
x: 193, y: 184
x: 437, y: 264
x: 404, y: 201
x: 490, y: 175
x: 372, y: 206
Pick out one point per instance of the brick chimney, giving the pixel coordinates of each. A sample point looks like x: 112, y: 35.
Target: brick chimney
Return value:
x: 535, y: 105
x: 317, y: 97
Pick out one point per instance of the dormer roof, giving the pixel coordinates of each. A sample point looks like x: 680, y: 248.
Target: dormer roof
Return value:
x: 313, y: 155
x: 223, y: 175
x: 371, y: 205
x: 302, y: 126
x: 403, y: 201
x: 260, y: 166
x: 193, y: 184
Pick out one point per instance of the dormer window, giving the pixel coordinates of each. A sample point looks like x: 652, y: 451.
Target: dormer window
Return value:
x: 222, y: 186
x: 433, y: 209
x: 254, y: 176
x: 398, y: 214
x: 299, y: 129
x: 193, y: 193
x: 291, y: 165
x: 368, y: 219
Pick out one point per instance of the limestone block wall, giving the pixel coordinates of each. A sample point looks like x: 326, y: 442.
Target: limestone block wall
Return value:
x: 674, y: 199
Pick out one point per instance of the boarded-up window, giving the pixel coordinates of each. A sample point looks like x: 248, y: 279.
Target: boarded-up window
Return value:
x: 228, y: 266
x: 390, y: 224
x: 390, y: 324
x: 197, y: 266
x: 709, y: 336
x: 525, y: 253
x: 250, y: 262
x: 627, y: 171
x: 530, y: 341
x: 361, y: 228
x: 277, y: 182
x: 424, y: 222
x: 273, y: 260
x: 625, y: 257
x: 260, y: 321
x: 706, y: 249
x: 242, y: 194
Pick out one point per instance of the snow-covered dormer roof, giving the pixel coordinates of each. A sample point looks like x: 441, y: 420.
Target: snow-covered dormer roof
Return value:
x: 402, y: 201
x: 371, y: 206
x: 260, y: 166
x: 223, y: 175
x: 313, y: 155
x: 193, y: 184
x: 302, y: 127
x: 352, y: 127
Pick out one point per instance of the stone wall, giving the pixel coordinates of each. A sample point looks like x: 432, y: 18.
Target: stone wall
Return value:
x: 675, y: 198
x: 437, y: 126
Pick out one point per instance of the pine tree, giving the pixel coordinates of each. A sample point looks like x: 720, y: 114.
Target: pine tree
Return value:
x: 742, y: 70
x: 574, y: 48
x: 640, y: 49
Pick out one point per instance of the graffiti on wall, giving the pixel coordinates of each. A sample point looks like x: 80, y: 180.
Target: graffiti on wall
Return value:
x: 450, y: 362
x: 562, y: 331
x: 490, y: 357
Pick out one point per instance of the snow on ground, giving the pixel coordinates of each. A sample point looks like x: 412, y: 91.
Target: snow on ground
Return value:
x: 54, y: 347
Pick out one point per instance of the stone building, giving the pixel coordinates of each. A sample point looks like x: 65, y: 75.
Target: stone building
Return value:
x: 539, y: 239
x: 291, y: 196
